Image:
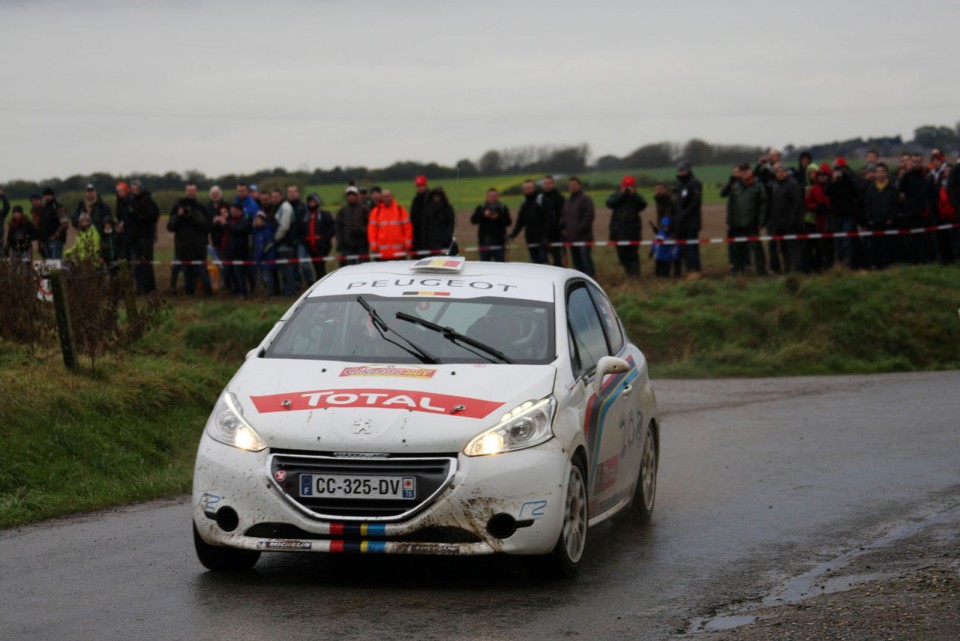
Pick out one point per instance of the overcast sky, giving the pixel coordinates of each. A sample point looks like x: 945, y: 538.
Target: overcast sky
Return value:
x: 238, y: 86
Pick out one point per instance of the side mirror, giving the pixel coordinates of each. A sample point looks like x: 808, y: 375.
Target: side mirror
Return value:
x: 608, y: 365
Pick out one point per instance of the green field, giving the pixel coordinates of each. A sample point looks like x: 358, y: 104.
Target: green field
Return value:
x: 465, y: 194
x: 74, y: 442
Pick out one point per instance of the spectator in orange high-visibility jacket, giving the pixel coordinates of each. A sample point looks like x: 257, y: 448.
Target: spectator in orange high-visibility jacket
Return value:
x: 389, y: 231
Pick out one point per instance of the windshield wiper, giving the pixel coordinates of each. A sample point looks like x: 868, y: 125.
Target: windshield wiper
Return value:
x: 456, y: 337
x: 411, y: 348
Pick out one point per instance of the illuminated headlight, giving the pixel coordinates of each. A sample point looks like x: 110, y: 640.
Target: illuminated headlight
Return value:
x: 228, y: 426
x: 525, y: 426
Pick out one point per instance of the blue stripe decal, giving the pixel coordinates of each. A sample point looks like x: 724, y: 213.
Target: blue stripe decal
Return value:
x: 609, y: 393
x: 612, y: 396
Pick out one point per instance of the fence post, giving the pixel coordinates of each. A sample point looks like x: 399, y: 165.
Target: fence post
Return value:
x: 129, y: 300
x: 64, y: 322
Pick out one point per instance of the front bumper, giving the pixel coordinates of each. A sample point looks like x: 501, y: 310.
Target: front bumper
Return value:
x: 233, y: 490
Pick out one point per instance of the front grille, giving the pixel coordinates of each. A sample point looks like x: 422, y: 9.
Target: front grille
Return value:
x: 427, y: 535
x: 432, y: 474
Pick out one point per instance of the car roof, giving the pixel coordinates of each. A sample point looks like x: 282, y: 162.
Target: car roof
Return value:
x: 474, y: 279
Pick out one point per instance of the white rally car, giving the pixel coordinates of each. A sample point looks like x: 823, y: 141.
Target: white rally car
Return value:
x: 432, y: 407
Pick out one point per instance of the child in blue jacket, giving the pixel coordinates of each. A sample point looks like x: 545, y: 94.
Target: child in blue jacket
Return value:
x: 664, y: 255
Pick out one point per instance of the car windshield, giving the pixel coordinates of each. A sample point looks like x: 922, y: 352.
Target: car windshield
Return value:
x: 339, y: 328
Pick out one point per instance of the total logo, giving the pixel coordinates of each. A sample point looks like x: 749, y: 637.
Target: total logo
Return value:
x: 406, y: 400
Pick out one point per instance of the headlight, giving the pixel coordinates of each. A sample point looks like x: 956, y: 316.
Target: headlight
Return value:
x: 228, y: 426
x: 525, y: 426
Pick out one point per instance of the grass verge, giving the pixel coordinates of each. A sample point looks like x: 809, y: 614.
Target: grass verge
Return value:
x: 903, y: 319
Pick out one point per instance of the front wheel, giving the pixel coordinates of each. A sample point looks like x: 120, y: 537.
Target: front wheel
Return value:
x: 645, y: 495
x: 564, y: 561
x: 222, y: 559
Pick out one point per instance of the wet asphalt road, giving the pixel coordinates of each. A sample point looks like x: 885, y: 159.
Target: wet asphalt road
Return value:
x: 760, y: 480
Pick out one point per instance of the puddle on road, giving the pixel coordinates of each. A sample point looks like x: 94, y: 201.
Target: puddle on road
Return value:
x: 719, y: 624
x: 806, y: 587
x: 814, y: 583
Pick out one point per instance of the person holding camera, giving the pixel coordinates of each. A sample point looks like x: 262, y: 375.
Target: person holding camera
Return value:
x: 20, y: 236
x: 190, y: 224
x: 492, y: 219
x: 625, y: 206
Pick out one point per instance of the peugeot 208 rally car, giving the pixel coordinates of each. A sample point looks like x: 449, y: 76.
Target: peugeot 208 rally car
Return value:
x: 433, y: 407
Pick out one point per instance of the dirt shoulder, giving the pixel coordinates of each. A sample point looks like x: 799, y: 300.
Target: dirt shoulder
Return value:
x: 905, y: 589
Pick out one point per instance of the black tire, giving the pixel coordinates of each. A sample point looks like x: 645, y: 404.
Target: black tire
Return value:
x: 564, y: 561
x: 222, y: 559
x: 645, y: 495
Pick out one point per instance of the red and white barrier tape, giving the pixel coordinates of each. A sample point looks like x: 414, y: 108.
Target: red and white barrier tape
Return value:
x: 596, y: 243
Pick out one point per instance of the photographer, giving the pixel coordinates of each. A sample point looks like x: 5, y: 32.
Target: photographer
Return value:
x: 190, y: 224
x: 625, y: 206
x: 492, y: 219
x: 20, y: 237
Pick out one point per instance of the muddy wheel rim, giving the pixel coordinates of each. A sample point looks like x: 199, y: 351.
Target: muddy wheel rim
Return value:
x: 648, y: 471
x: 575, y: 518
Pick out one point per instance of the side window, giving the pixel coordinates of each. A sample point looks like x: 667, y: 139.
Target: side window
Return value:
x: 584, y: 325
x: 608, y: 316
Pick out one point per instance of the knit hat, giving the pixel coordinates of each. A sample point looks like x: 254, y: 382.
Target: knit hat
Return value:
x: 352, y: 190
x: 420, y: 181
x: 48, y: 191
x: 840, y: 162
x: 683, y: 165
x: 125, y: 186
x: 84, y: 218
x: 628, y: 181
x: 825, y: 168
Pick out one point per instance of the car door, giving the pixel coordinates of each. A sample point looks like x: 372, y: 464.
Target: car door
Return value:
x: 603, y: 412
x: 628, y: 406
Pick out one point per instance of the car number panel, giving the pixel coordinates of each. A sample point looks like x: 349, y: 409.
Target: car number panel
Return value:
x: 358, y: 487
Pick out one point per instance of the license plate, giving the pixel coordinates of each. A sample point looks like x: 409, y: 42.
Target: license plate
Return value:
x: 343, y: 486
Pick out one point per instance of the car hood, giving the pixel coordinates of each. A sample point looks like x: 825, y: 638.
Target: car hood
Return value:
x: 331, y: 406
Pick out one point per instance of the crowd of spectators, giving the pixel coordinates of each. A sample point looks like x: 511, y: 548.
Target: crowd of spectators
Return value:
x: 835, y: 198
x: 279, y: 243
